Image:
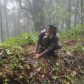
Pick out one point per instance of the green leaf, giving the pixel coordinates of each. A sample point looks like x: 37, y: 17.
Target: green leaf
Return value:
x: 55, y: 77
x: 69, y: 79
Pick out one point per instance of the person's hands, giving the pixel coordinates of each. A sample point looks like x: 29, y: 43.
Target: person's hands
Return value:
x: 37, y: 56
x: 33, y: 52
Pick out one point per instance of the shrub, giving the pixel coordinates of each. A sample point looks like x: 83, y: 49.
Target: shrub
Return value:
x: 73, y: 33
x: 25, y: 38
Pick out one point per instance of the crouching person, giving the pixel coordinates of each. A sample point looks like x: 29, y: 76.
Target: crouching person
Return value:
x: 47, y: 42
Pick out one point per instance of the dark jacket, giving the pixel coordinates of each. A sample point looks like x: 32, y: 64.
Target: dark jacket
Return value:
x: 48, y: 43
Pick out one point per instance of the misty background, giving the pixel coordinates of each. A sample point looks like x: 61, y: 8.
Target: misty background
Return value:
x: 18, y: 16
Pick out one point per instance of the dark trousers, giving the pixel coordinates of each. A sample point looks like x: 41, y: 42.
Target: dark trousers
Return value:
x: 45, y: 44
x: 49, y: 53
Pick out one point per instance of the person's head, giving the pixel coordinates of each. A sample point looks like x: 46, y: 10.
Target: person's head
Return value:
x: 51, y: 29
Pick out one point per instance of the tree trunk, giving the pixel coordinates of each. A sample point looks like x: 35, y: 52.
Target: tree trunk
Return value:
x: 19, y: 16
x: 82, y: 11
x: 38, y: 14
x: 6, y: 18
x: 1, y: 31
x: 68, y: 21
x: 76, y: 13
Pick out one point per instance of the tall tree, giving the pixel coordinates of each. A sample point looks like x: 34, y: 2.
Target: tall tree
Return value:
x: 6, y: 17
x: 38, y: 14
x: 1, y: 31
x: 68, y: 21
x: 19, y: 16
x: 76, y: 13
x: 82, y: 11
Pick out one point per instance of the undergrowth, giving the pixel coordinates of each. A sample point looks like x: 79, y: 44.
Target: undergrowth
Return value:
x: 13, y: 66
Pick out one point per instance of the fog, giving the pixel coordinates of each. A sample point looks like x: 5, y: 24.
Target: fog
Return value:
x: 18, y: 16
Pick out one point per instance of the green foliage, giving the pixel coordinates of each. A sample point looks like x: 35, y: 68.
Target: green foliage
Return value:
x: 13, y: 50
x: 11, y: 41
x: 5, y: 45
x: 55, y: 77
x: 5, y: 81
x: 30, y: 69
x: 14, y: 54
x: 25, y: 38
x: 70, y: 79
x: 79, y: 48
x: 74, y: 33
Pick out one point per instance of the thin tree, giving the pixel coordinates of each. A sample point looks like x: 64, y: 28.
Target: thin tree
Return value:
x: 6, y: 17
x: 76, y: 13
x: 1, y: 23
x: 82, y: 11
x: 38, y: 14
x: 69, y: 14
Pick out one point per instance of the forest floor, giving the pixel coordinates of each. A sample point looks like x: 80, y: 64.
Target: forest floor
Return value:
x: 67, y: 65
x: 66, y: 68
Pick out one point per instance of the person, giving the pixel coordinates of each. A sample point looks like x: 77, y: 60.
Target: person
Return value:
x: 47, y: 42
